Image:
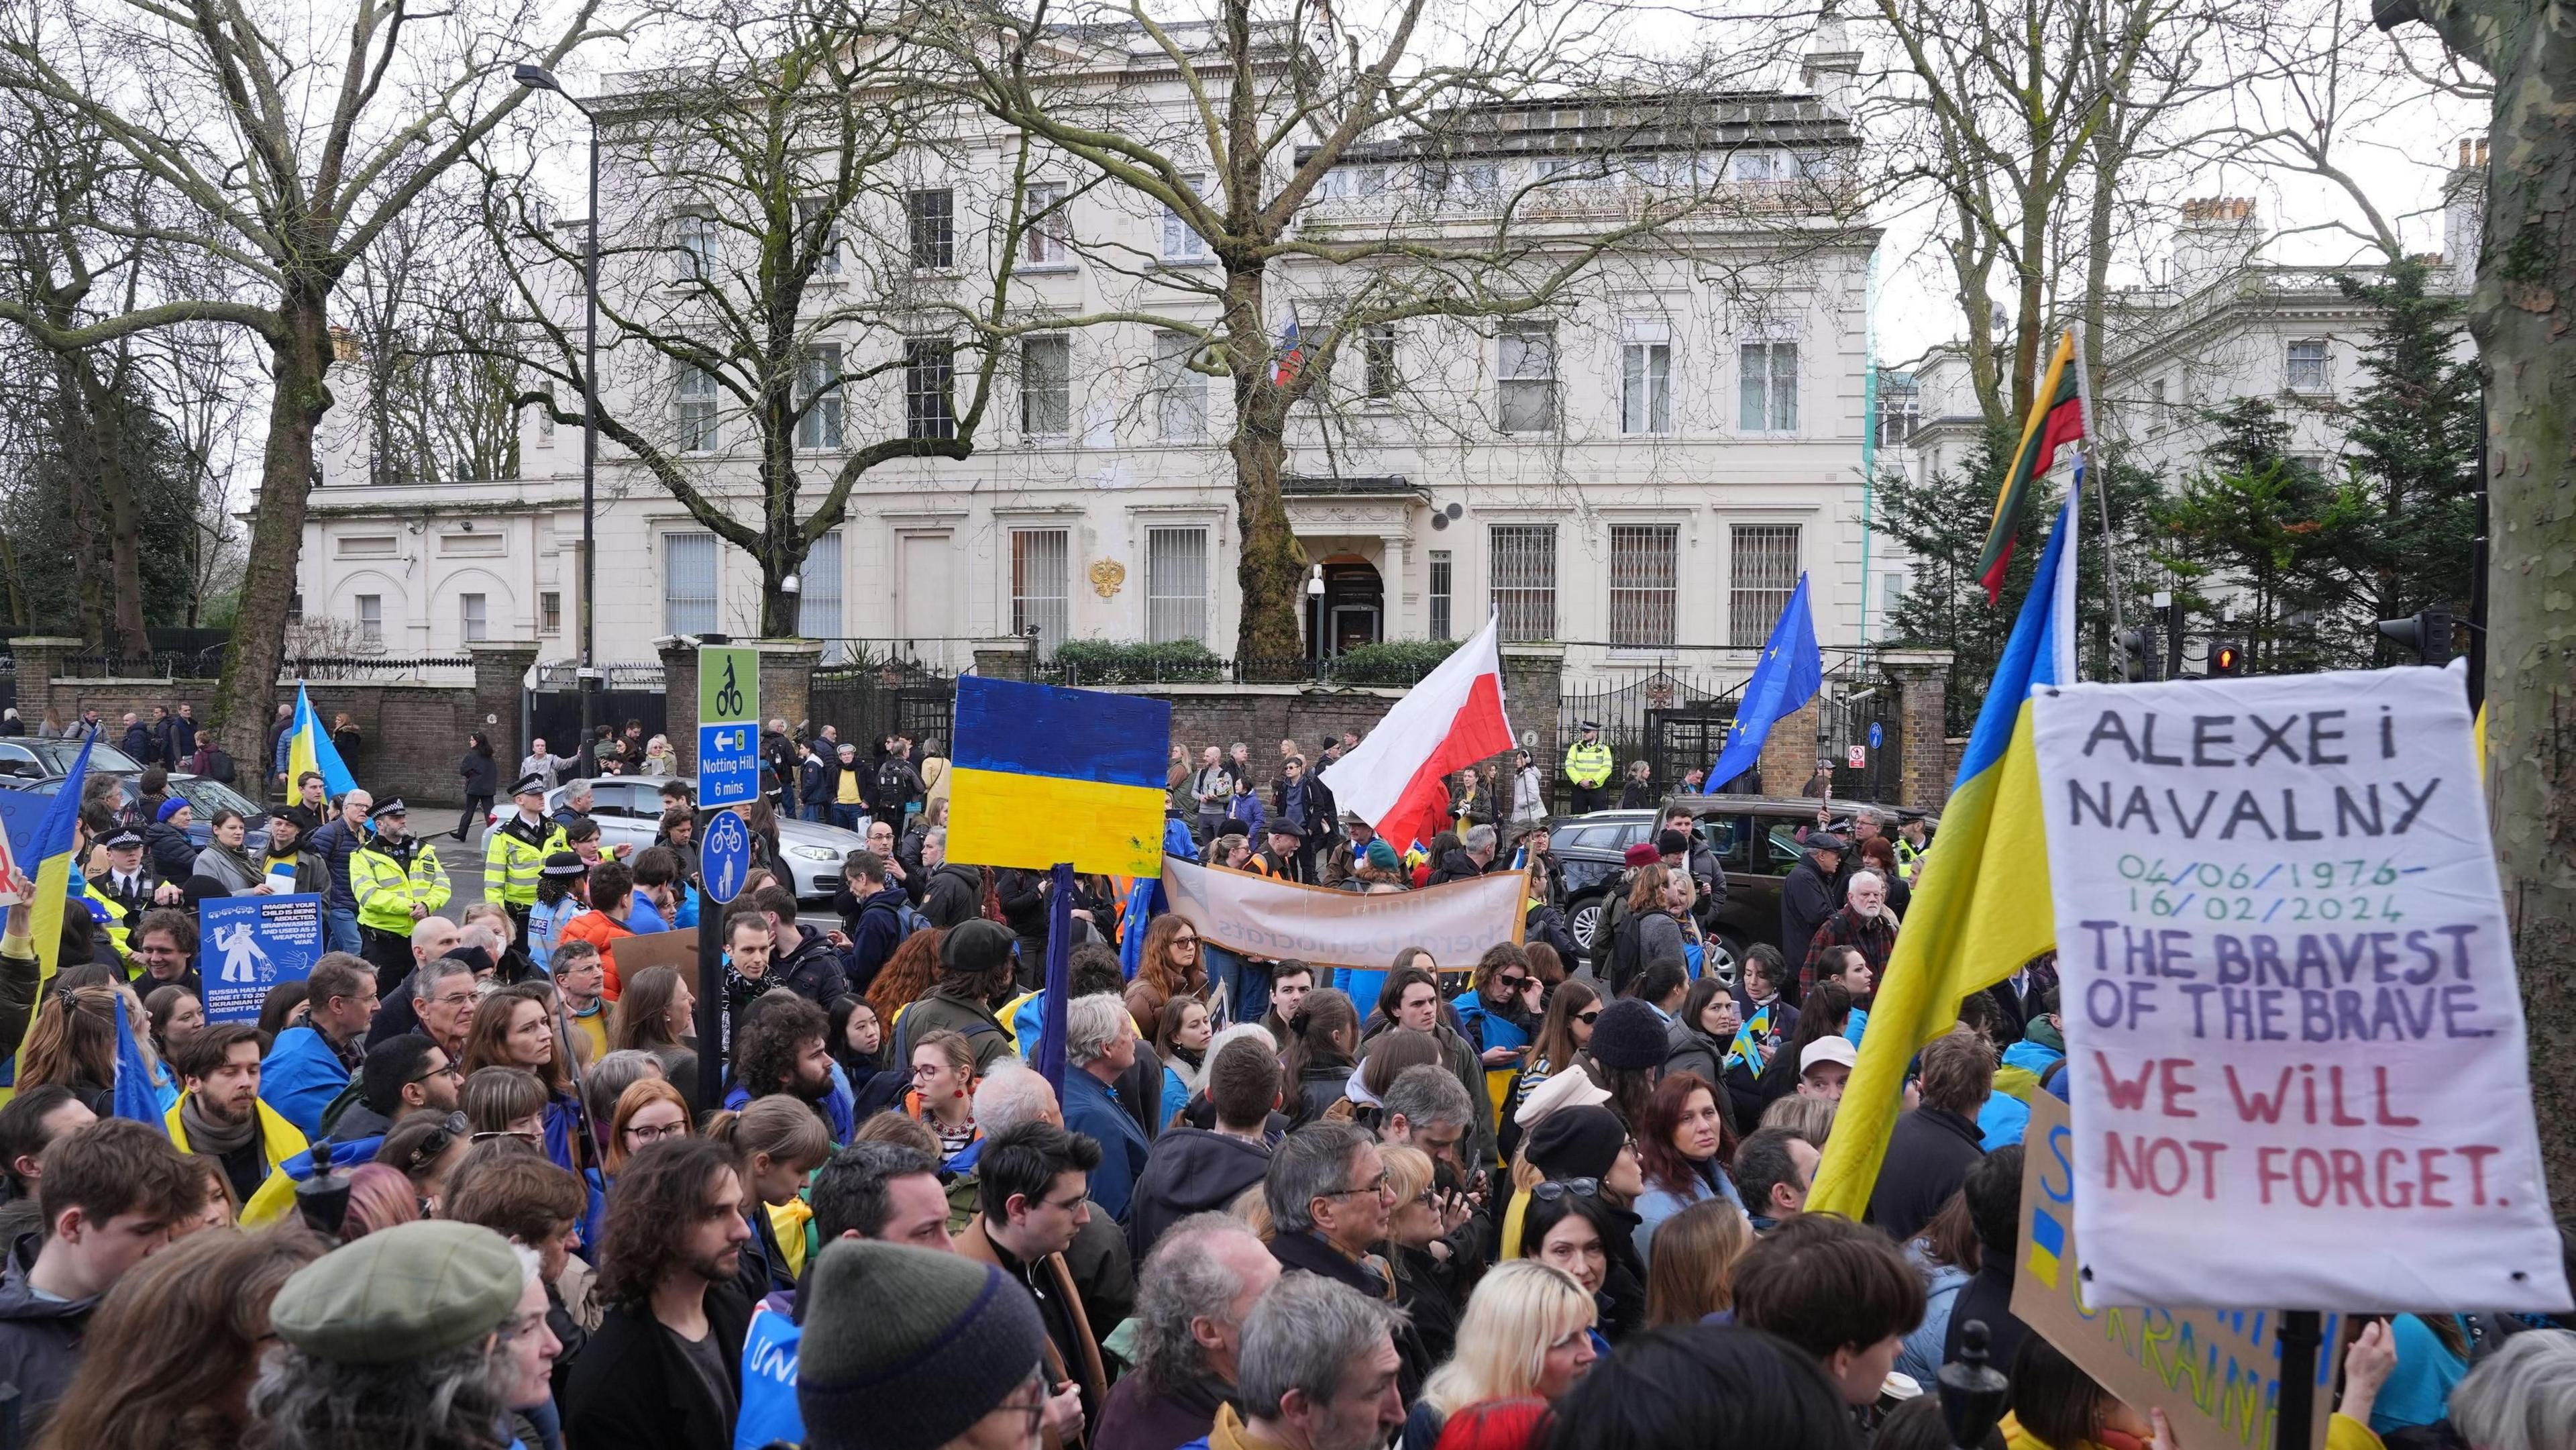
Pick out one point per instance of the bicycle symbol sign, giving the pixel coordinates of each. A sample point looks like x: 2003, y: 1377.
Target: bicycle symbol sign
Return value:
x: 729, y: 695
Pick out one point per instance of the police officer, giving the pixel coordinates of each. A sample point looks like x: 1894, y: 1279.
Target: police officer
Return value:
x: 515, y: 852
x: 1587, y: 768
x: 398, y: 880
x: 130, y: 884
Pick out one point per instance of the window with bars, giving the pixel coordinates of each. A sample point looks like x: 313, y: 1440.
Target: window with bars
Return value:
x: 1645, y: 583
x: 928, y: 365
x: 1179, y: 395
x: 1646, y: 377
x: 1047, y: 240
x: 1176, y: 581
x: 1039, y: 587
x: 818, y: 607
x: 1437, y: 595
x: 1181, y: 241
x: 1377, y: 361
x: 688, y: 583
x: 811, y: 212
x: 818, y: 393
x: 930, y: 225
x: 476, y: 622
x: 699, y: 430
x: 550, y: 612
x: 1762, y: 572
x: 1525, y: 368
x: 699, y: 246
x: 371, y: 619
x: 1523, y: 571
x: 2307, y: 366
x: 1767, y: 387
x: 1046, y: 387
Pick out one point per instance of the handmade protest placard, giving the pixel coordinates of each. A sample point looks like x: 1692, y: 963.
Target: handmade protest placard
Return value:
x: 2216, y: 1373
x: 2295, y: 1043
x: 248, y: 944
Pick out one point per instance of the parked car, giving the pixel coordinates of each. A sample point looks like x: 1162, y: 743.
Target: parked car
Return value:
x: 1754, y: 837
x: 629, y: 811
x: 32, y: 758
x: 199, y: 792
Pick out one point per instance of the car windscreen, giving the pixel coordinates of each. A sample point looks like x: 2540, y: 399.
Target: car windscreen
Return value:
x: 209, y: 796
x: 61, y: 754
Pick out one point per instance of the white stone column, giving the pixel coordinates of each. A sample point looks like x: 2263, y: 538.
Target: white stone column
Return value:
x: 1393, y: 622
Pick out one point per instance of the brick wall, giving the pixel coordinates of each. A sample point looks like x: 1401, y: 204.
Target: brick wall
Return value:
x: 1925, y: 768
x: 410, y: 735
x: 1789, y: 755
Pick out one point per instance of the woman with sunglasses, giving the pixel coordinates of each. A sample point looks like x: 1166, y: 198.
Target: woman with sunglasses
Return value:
x: 1425, y: 1275
x: 1171, y: 967
x: 1499, y: 1016
x: 1565, y: 1033
x: 1584, y: 1152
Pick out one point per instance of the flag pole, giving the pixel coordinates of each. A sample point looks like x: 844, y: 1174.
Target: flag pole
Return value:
x: 2101, y: 492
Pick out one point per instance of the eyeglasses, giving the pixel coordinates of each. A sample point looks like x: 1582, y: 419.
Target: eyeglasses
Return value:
x: 1035, y: 1409
x: 1185, y: 941
x: 1559, y: 1188
x: 1068, y: 1206
x: 1588, y: 1017
x: 447, y: 1069
x: 1378, y: 1184
x: 657, y: 1132
x: 435, y: 1146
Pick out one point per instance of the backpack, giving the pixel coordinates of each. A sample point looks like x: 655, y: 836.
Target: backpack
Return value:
x: 1625, y: 962
x: 1547, y: 924
x: 341, y: 1102
x: 907, y: 917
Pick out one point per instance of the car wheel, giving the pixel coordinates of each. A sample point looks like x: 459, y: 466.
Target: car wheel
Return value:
x: 1723, y: 957
x: 1585, y: 922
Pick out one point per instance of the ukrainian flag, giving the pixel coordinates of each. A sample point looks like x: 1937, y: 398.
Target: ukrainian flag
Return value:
x: 55, y: 841
x: 1040, y: 775
x: 2047, y: 1246
x: 309, y: 748
x: 1982, y: 909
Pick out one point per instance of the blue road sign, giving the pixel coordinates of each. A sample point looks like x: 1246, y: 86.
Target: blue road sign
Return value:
x: 728, y: 764
x: 724, y: 858
x: 1873, y: 735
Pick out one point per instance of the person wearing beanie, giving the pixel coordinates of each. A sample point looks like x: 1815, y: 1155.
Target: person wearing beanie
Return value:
x: 909, y: 1349
x: 411, y: 1335
x: 1630, y: 1037
x: 1585, y: 1152
x: 974, y: 971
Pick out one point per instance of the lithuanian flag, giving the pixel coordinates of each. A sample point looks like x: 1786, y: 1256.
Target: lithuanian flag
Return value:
x: 2056, y: 419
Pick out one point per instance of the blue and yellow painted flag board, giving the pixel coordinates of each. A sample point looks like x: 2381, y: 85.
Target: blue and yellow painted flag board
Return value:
x: 1039, y: 775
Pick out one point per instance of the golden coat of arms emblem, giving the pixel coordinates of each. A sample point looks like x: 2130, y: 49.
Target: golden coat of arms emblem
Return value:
x: 1107, y: 575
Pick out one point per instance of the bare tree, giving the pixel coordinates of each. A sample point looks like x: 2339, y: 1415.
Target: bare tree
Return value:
x: 290, y: 141
x: 1349, y: 168
x: 2519, y: 315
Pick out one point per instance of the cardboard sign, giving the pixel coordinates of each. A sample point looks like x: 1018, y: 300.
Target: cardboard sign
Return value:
x: 2297, y: 1047
x: 2215, y: 1374
x: 677, y: 950
x: 1260, y: 917
x: 248, y: 944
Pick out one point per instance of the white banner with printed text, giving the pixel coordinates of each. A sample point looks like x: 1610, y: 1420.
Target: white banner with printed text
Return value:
x: 1281, y: 920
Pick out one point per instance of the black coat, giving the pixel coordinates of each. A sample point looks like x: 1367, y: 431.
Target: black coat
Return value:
x: 1306, y: 1253
x: 173, y: 855
x: 1929, y: 1153
x: 1189, y: 1172
x: 1807, y: 897
x: 482, y: 775
x: 632, y: 1388
x: 956, y: 894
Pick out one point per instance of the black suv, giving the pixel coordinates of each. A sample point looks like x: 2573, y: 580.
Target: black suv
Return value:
x: 1755, y: 839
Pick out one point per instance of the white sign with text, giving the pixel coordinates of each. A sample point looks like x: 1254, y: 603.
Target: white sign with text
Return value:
x: 2296, y: 1047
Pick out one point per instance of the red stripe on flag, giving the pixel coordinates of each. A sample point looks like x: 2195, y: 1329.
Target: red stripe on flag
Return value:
x: 2064, y: 425
x: 1480, y: 730
x: 1993, y: 578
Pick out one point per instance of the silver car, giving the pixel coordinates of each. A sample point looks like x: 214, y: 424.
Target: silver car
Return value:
x: 629, y: 811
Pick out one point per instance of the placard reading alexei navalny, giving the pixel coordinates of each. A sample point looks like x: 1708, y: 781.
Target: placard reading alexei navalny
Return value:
x: 2297, y: 1052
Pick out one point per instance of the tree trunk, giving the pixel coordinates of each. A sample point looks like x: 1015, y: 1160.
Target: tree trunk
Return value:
x: 1272, y: 572
x: 124, y: 511
x: 2519, y: 315
x: 300, y: 357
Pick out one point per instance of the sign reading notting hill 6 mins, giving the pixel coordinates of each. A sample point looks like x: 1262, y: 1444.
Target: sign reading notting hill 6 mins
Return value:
x: 2296, y: 1049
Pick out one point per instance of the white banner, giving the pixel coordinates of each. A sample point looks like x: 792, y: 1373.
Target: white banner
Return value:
x: 1282, y: 920
x: 2297, y: 1051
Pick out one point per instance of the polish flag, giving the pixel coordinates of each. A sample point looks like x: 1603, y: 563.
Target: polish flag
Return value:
x: 1398, y: 779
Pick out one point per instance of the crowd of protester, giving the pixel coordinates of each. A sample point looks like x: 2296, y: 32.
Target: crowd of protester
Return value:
x: 458, y: 1188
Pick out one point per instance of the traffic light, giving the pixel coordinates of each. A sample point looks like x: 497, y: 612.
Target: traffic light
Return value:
x: 2138, y: 654
x: 2226, y: 659
x: 2428, y: 634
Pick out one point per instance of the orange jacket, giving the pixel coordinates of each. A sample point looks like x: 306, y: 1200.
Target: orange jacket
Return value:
x: 598, y: 929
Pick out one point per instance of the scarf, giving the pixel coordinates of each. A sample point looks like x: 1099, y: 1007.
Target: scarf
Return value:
x: 2041, y: 1032
x: 205, y: 1135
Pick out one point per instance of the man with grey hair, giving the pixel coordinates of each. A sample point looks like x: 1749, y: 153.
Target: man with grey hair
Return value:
x: 1427, y: 1108
x: 1330, y: 1199
x: 1863, y: 922
x: 1104, y: 1273
x: 432, y: 937
x: 1200, y: 1284
x: 1322, y: 1368
x: 1474, y: 854
x: 1099, y: 1048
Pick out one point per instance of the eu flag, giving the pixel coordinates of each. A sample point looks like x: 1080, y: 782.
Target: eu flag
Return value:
x: 134, y: 1096
x: 1788, y: 675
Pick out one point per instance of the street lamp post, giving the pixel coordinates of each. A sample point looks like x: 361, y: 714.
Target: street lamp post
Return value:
x: 586, y: 678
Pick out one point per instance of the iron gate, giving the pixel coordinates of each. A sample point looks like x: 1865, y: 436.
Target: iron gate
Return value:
x: 628, y: 692
x: 1866, y: 720
x: 1628, y: 714
x: 869, y: 699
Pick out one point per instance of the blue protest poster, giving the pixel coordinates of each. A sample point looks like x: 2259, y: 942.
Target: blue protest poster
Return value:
x: 248, y: 944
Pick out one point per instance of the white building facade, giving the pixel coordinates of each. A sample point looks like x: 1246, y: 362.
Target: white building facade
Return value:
x: 1643, y: 472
